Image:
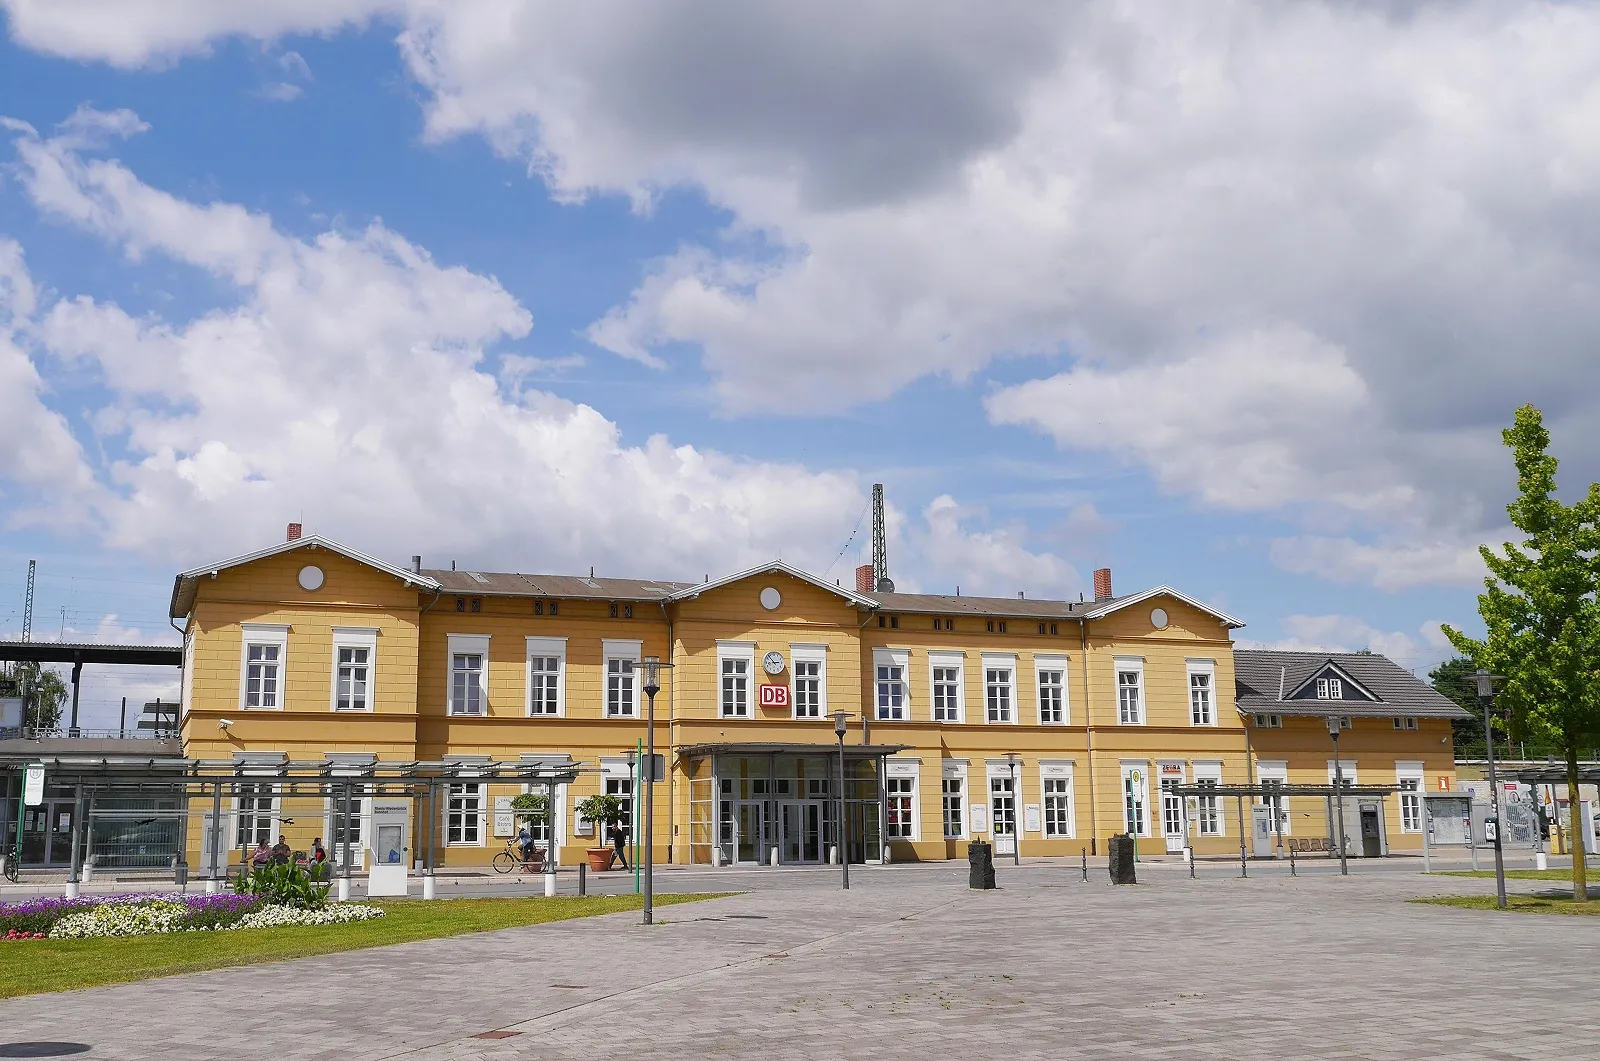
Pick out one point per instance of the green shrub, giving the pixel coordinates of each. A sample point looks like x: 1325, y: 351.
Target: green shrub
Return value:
x: 283, y: 885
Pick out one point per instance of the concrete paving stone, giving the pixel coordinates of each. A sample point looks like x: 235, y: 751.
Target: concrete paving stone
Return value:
x: 908, y: 964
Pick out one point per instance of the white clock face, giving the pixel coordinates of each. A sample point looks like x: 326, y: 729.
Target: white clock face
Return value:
x: 772, y: 662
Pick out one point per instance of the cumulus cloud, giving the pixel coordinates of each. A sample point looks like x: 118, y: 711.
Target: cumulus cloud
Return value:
x: 1419, y: 651
x: 347, y: 381
x: 1389, y: 202
x: 958, y: 544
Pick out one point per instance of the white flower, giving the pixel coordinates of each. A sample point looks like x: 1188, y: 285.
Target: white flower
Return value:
x: 275, y: 916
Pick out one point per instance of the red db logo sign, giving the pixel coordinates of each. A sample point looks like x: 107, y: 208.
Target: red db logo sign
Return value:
x: 774, y: 696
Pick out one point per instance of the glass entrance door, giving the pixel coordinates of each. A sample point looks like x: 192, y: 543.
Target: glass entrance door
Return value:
x: 1174, y: 822
x: 1003, y: 814
x: 802, y: 832
x: 748, y: 840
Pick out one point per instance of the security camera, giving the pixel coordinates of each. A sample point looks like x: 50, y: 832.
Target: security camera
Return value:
x: 224, y: 723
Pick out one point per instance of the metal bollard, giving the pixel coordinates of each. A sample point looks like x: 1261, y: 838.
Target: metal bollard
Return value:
x: 1189, y: 856
x: 583, y: 878
x: 1292, y: 871
x: 1085, y: 855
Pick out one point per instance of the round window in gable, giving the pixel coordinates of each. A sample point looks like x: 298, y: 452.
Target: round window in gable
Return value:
x: 310, y: 577
x: 1158, y: 618
x: 771, y: 598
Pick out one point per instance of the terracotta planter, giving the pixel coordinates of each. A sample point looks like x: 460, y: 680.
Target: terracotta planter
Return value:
x: 599, y: 858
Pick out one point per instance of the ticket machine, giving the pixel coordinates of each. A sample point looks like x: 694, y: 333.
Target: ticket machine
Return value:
x: 390, y: 860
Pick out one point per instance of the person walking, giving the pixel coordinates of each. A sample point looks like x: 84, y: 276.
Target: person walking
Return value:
x: 619, y: 845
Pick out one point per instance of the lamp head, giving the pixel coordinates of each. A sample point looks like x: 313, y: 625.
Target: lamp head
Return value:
x: 839, y: 719
x: 1334, y: 722
x: 651, y: 667
x: 1485, y: 682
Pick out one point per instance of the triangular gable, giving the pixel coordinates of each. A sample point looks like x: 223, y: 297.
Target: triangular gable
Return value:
x: 776, y: 567
x: 1307, y: 689
x: 183, y: 585
x: 1102, y: 610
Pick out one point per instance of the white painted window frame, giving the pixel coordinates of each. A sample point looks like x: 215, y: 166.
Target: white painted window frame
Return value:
x: 1054, y: 771
x: 1207, y: 668
x: 1135, y: 665
x: 1054, y: 663
x: 482, y: 789
x: 273, y: 634
x: 466, y: 645
x: 1141, y: 790
x: 891, y: 657
x: 1209, y: 770
x: 1006, y: 661
x: 355, y: 637
x: 805, y: 653
x: 939, y: 659
x: 545, y: 648
x: 273, y: 815
x: 902, y: 769
x: 954, y: 770
x: 735, y: 651
x: 1002, y: 768
x: 1409, y: 770
x: 1276, y: 770
x: 632, y: 651
x: 1348, y: 769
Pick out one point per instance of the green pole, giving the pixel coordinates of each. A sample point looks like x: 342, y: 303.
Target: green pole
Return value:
x: 633, y: 834
x: 21, y: 788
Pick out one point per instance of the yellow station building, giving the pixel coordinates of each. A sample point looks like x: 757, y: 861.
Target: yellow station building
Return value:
x: 969, y: 717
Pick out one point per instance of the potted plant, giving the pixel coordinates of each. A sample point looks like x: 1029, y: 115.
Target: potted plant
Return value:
x: 533, y: 807
x: 605, y: 811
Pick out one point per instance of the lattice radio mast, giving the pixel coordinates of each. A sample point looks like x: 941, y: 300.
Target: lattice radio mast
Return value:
x: 880, y: 545
x: 27, y: 605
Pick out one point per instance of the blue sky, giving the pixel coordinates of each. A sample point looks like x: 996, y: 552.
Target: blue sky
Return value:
x: 572, y: 290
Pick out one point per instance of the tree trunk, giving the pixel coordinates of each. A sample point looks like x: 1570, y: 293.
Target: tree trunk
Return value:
x: 1580, y: 872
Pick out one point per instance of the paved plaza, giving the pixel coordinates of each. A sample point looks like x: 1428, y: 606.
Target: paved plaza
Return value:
x: 909, y: 964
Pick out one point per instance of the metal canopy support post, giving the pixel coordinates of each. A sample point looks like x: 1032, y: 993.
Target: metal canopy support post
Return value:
x: 1244, y: 868
x: 550, y: 840
x: 215, y: 869
x: 345, y: 859
x: 75, y: 876
x: 430, y: 802
x: 77, y: 682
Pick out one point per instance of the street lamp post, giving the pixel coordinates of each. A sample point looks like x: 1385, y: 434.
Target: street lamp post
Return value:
x: 1486, y: 698
x: 1016, y: 812
x: 652, y: 684
x: 1335, y: 722
x: 839, y: 720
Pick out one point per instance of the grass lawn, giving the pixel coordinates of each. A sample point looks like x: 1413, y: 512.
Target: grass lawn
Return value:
x: 39, y: 966
x: 1516, y: 874
x: 1548, y: 903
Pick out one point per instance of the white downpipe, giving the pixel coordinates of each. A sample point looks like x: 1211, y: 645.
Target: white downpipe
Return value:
x: 427, y: 886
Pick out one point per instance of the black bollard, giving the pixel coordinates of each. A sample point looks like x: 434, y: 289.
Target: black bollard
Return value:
x: 980, y: 866
x: 1085, y: 856
x: 583, y: 878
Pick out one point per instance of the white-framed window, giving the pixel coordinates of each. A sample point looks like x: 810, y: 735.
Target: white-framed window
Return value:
x: 889, y: 684
x: 1265, y: 721
x: 469, y: 673
x: 1202, y: 692
x: 359, y: 807
x: 1051, y: 672
x: 622, y: 678
x: 736, y: 663
x: 255, y: 806
x: 1136, y: 798
x: 618, y: 781
x: 809, y: 684
x: 464, y: 814
x: 1408, y: 777
x: 1347, y: 768
x: 1055, y: 783
x: 261, y: 662
x: 999, y: 688
x: 1209, y: 819
x: 1275, y: 774
x: 1330, y: 689
x: 1405, y: 722
x: 900, y: 800
x: 1002, y: 800
x: 355, y: 654
x: 946, y: 682
x: 1174, y: 820
x: 1130, y: 691
x: 547, y: 676
x: 953, y: 798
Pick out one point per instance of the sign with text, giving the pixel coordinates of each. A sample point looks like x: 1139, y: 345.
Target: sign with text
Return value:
x: 774, y: 696
x: 33, y: 785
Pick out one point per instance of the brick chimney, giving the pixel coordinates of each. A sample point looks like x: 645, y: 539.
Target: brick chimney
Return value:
x: 864, y: 578
x: 294, y: 533
x: 1102, y: 583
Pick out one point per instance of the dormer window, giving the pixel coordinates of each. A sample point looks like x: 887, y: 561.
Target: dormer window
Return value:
x: 1330, y: 689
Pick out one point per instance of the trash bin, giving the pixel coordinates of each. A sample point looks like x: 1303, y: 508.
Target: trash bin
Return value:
x: 980, y: 866
x: 1120, y: 850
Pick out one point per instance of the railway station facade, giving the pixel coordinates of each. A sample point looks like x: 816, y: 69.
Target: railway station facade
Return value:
x: 1041, y: 723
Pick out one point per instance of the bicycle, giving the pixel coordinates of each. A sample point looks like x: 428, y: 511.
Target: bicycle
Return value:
x: 509, y: 859
x: 8, y: 864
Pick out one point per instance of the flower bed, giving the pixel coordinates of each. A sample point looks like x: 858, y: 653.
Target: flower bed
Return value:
x: 143, y: 915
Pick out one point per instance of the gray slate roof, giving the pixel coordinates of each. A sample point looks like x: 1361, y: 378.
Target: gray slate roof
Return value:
x: 1262, y: 675
x: 503, y: 584
x: 1006, y: 607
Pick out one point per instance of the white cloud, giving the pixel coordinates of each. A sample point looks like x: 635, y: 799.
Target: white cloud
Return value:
x: 955, y: 545
x: 348, y: 383
x: 1390, y: 565
x: 1420, y: 651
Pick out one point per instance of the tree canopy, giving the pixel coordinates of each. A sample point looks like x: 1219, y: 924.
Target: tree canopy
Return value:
x: 42, y: 691
x: 1540, y: 613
